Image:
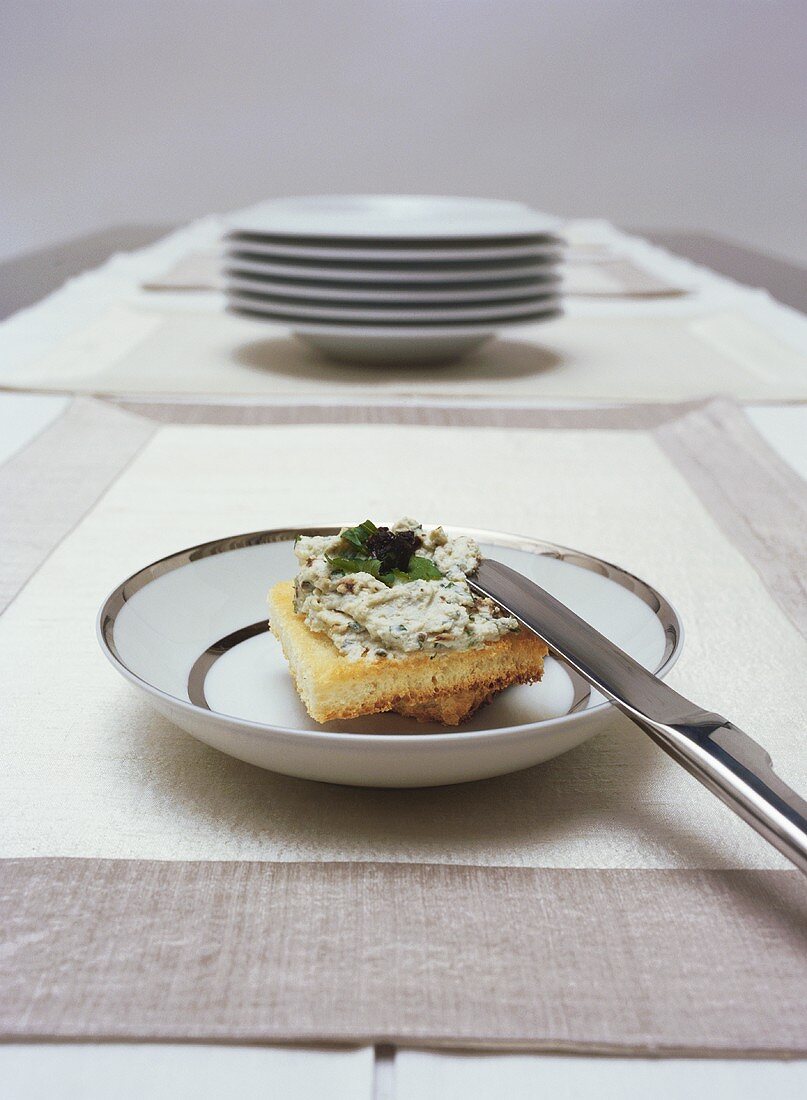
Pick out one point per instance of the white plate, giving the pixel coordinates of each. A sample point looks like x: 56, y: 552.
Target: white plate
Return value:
x: 424, y: 294
x: 353, y: 251
x: 338, y: 311
x: 189, y: 632
x: 547, y: 266
x: 391, y: 216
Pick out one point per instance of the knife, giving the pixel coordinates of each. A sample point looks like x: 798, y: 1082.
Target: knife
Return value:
x: 727, y: 761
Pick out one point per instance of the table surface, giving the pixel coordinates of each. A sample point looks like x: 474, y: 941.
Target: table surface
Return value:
x: 113, y: 1071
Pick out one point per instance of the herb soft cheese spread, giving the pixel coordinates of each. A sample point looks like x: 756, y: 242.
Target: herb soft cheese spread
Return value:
x: 381, y: 592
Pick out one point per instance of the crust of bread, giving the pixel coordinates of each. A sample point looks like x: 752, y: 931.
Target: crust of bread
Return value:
x: 446, y: 687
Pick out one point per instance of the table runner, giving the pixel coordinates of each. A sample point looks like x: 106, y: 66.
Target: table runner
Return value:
x: 603, y: 901
x: 418, y: 953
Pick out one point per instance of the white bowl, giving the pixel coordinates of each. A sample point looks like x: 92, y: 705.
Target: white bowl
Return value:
x: 485, y: 272
x: 401, y: 217
x: 389, y: 344
x: 388, y: 347
x: 408, y: 313
x: 428, y: 294
x: 189, y: 632
x: 400, y: 252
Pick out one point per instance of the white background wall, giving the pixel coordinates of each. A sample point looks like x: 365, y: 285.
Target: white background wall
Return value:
x: 656, y: 113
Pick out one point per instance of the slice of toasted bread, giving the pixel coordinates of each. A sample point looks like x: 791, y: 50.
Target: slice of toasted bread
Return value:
x: 446, y: 687
x: 450, y: 709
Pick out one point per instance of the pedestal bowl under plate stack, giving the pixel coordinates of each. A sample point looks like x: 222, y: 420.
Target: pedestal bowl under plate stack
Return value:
x: 393, y: 277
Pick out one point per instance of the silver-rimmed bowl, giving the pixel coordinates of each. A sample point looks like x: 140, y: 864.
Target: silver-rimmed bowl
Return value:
x: 189, y: 631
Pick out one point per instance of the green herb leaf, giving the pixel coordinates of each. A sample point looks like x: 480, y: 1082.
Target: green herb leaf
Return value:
x: 423, y: 569
x: 358, y: 536
x: 357, y: 565
x: 420, y: 569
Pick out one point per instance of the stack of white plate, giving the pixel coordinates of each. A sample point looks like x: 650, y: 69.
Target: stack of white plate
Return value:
x: 393, y: 277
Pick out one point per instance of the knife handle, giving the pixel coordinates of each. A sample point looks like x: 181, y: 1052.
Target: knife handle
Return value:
x: 738, y: 770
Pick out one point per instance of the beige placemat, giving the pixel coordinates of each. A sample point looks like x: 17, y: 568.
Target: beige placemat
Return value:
x: 195, y: 271
x: 616, y: 278
x: 592, y: 903
x: 630, y: 359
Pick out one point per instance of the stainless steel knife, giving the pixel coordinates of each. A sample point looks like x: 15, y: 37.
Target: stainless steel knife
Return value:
x: 730, y: 763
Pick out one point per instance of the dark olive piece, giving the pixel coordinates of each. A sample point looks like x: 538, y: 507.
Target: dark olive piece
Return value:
x: 393, y: 548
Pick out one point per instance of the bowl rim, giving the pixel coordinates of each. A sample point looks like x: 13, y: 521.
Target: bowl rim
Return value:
x: 663, y: 609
